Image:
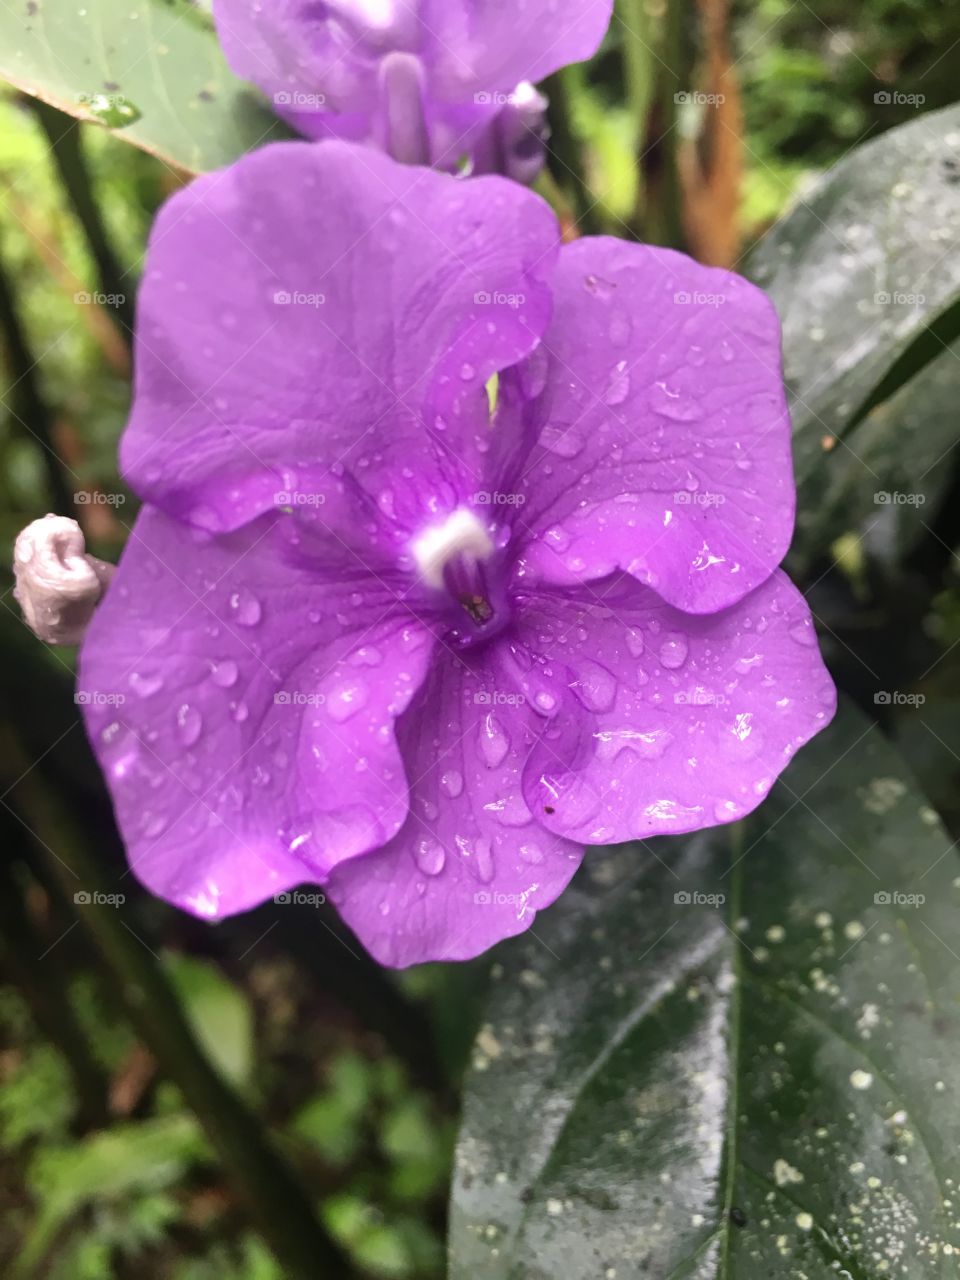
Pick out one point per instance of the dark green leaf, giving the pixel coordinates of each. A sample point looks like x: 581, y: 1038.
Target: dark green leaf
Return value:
x: 150, y: 69
x: 860, y: 270
x: 670, y: 1085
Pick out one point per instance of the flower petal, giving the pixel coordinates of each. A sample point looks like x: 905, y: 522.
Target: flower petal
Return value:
x: 240, y: 695
x: 683, y: 721
x: 471, y: 865
x: 660, y: 437
x: 314, y: 313
x: 333, y: 51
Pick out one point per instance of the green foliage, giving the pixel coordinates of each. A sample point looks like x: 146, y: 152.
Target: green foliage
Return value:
x: 760, y: 1083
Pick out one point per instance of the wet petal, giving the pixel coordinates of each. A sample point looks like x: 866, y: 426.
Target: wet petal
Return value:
x: 240, y: 693
x: 660, y: 440
x: 682, y: 721
x: 471, y: 865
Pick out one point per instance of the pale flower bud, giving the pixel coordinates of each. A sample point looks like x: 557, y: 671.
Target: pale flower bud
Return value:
x: 58, y: 584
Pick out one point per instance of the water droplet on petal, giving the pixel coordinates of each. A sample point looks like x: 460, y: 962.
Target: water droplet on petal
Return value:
x: 675, y: 404
x: 531, y: 853
x: 189, y: 724
x: 618, y: 386
x: 245, y: 608
x: 345, y: 699
x: 144, y: 684
x: 224, y: 674
x: 494, y: 743
x: 673, y: 652
x: 429, y: 857
x: 452, y: 783
x: 483, y: 863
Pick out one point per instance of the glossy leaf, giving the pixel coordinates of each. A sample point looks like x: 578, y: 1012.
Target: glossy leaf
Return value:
x: 733, y: 1055
x: 859, y: 270
x: 151, y: 70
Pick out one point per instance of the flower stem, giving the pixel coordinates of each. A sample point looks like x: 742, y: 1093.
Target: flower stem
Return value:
x: 565, y: 154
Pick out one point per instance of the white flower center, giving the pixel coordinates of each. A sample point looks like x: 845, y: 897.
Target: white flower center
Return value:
x: 461, y: 534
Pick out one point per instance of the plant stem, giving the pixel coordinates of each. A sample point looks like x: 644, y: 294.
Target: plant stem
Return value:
x: 31, y: 409
x: 565, y: 156
x: 66, y: 148
x: 261, y: 1178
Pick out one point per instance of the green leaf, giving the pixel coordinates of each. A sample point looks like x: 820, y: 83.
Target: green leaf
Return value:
x: 219, y: 1013
x: 151, y: 70
x: 865, y: 281
x: 886, y: 483
x: 731, y: 1055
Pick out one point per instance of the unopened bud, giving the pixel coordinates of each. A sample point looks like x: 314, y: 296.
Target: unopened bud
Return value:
x: 58, y: 584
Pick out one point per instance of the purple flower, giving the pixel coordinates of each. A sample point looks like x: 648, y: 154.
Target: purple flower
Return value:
x: 374, y: 633
x: 429, y: 81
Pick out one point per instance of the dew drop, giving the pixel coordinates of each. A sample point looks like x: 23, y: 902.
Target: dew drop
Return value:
x: 224, y: 674
x: 189, y: 724
x: 565, y: 442
x: 429, y: 857
x: 674, y: 404
x: 618, y: 386
x: 452, y: 783
x: 494, y: 743
x: 245, y: 608
x: 673, y: 652
x: 144, y: 685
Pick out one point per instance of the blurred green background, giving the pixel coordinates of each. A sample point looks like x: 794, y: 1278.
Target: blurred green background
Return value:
x: 104, y: 1168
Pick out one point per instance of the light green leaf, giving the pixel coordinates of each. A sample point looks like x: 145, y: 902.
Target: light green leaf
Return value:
x: 151, y: 70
